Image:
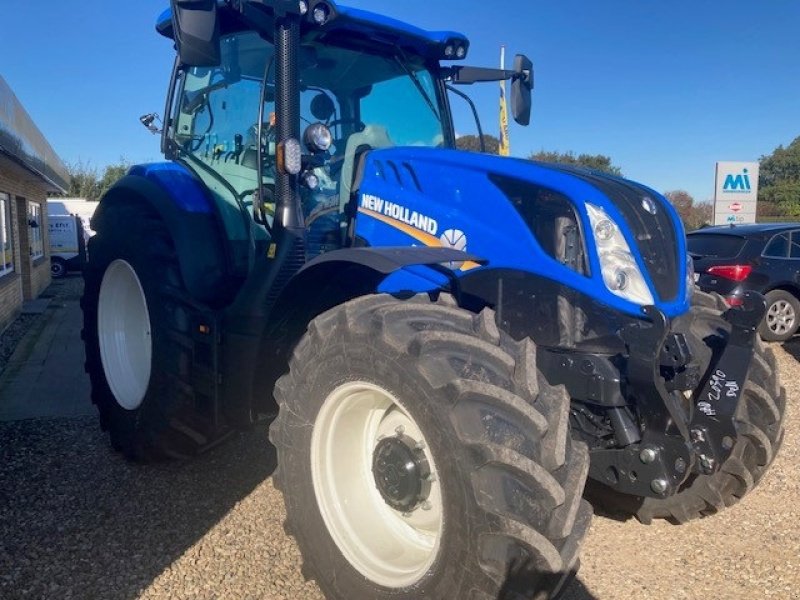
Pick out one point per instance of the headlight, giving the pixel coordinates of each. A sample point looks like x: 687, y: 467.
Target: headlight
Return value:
x: 621, y: 274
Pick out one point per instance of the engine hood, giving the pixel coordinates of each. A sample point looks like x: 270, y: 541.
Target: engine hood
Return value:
x: 461, y: 199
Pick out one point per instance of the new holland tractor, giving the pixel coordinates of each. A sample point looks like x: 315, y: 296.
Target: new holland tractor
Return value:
x: 452, y: 342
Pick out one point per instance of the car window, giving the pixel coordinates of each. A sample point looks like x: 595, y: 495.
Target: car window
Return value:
x: 778, y: 246
x: 794, y: 252
x: 715, y: 245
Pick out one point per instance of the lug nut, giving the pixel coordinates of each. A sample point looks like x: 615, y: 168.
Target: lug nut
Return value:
x: 659, y: 486
x: 706, y: 462
x: 727, y: 442
x: 648, y: 455
x: 680, y: 466
x: 698, y: 436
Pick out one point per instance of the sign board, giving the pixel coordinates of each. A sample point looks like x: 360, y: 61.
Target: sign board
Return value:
x: 735, y: 193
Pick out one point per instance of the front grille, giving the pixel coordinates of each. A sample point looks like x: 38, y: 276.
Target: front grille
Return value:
x: 655, y: 234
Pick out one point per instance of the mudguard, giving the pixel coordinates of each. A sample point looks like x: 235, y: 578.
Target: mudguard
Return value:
x: 181, y: 201
x: 259, y: 341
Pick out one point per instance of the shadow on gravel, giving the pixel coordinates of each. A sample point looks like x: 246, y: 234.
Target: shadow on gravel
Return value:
x: 793, y: 348
x: 78, y: 521
x: 577, y: 591
x: 517, y: 584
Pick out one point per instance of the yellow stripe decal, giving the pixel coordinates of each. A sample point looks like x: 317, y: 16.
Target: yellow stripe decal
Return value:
x: 429, y: 240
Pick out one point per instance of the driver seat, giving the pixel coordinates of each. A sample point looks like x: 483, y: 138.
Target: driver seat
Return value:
x: 373, y: 137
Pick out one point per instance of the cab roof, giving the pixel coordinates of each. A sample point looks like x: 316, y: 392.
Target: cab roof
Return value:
x: 364, y: 23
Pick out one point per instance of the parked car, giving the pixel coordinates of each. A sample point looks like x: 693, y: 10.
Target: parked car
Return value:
x: 765, y: 258
x: 68, y: 238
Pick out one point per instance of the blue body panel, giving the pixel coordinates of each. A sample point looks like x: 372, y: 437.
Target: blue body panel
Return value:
x: 365, y: 22
x: 443, y: 193
x: 180, y: 183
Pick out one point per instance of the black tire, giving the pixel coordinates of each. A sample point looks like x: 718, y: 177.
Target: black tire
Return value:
x: 165, y: 424
x: 58, y: 268
x: 786, y: 303
x: 511, y: 478
x: 759, y: 422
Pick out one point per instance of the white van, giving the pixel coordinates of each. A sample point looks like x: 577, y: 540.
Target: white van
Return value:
x: 68, y: 239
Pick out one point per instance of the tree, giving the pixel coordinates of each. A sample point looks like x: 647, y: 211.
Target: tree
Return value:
x: 779, y: 182
x: 693, y: 215
x: 85, y: 183
x: 596, y: 162
x: 82, y: 181
x: 111, y: 175
x: 473, y: 144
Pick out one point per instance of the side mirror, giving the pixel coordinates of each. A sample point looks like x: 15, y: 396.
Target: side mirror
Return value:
x: 521, y: 87
x: 196, y: 31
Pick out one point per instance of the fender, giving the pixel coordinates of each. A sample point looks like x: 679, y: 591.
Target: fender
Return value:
x: 260, y: 341
x: 176, y: 195
x: 353, y: 272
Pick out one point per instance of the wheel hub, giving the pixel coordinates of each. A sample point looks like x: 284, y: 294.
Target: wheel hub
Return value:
x: 781, y: 317
x: 402, y: 473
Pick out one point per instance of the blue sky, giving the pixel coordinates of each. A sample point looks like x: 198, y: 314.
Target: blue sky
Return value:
x: 664, y: 88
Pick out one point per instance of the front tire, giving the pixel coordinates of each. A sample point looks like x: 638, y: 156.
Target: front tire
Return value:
x: 421, y: 454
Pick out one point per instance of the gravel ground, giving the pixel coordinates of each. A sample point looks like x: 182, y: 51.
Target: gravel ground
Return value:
x: 77, y: 521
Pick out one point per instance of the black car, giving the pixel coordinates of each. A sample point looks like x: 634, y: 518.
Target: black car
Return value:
x: 765, y: 258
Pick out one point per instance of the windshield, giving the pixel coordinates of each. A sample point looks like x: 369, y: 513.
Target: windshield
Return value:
x: 366, y: 100
x: 395, y: 93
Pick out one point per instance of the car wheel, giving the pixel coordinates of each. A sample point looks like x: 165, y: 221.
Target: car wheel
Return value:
x: 782, y: 318
x: 58, y: 268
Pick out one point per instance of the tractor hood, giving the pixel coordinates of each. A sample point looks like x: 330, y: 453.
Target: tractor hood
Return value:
x: 520, y: 214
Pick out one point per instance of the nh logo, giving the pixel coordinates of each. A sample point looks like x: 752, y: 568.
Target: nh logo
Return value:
x: 737, y: 183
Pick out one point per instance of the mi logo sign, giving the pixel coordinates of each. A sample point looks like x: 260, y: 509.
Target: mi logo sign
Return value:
x: 737, y: 183
x: 735, y: 192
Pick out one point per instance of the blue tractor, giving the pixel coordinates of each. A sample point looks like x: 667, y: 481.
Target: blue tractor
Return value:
x: 452, y: 342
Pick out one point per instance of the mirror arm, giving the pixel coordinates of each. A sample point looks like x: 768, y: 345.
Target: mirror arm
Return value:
x: 461, y: 94
x: 469, y: 75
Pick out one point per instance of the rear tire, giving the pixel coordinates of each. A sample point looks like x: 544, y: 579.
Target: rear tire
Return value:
x: 759, y: 422
x: 782, y: 318
x: 505, y: 513
x: 138, y: 348
x: 58, y: 268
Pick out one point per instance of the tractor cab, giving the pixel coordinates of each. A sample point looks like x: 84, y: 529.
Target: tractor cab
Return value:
x: 359, y: 82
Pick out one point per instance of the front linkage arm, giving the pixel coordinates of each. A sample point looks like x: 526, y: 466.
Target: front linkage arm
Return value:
x: 676, y: 441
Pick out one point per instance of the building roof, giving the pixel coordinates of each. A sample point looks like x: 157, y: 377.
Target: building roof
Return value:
x: 22, y: 142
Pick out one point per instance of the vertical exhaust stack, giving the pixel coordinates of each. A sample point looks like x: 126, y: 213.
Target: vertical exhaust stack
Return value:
x: 287, y: 48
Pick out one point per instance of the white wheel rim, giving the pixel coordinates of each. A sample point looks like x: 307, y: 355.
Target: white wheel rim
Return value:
x: 781, y: 317
x: 389, y: 548
x: 123, y: 326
